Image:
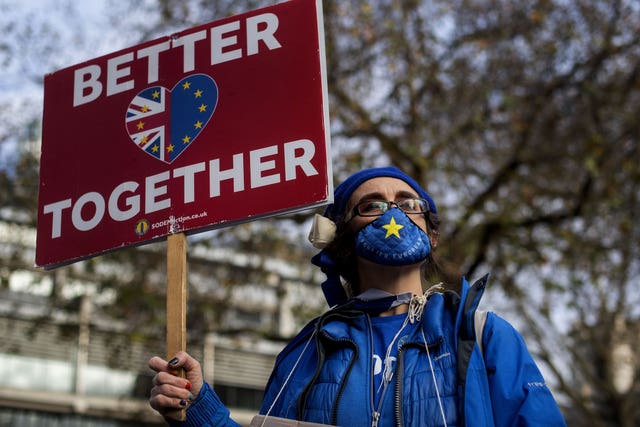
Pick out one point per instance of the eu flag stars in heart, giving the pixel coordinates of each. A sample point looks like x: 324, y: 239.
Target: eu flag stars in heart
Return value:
x: 163, y: 123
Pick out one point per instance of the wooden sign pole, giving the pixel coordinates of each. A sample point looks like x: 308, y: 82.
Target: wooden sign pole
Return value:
x: 176, y: 301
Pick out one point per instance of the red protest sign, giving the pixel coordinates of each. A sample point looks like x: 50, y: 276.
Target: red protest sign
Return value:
x: 216, y: 125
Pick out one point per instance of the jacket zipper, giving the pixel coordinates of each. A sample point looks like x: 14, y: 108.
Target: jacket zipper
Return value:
x: 378, y: 411
x: 302, y: 399
x: 302, y: 403
x: 334, y: 410
x: 375, y: 416
x: 375, y: 419
x: 398, y: 387
x: 400, y: 375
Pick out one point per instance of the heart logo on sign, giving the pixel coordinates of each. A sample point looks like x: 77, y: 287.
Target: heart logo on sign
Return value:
x: 164, y: 123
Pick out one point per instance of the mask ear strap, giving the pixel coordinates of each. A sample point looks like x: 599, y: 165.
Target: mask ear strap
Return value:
x: 322, y: 232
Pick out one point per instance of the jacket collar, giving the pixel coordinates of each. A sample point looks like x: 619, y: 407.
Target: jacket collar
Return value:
x: 350, y: 321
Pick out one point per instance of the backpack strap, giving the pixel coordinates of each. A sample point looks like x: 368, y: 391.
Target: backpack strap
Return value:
x: 469, y: 333
x: 479, y: 319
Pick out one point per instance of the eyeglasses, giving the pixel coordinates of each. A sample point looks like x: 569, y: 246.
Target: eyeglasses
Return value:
x: 379, y: 207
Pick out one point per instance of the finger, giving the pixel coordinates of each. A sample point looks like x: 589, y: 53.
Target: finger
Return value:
x: 191, y: 368
x: 158, y: 364
x: 168, y: 378
x: 171, y: 391
x: 188, y: 363
x: 164, y: 404
x: 183, y: 363
x: 183, y: 360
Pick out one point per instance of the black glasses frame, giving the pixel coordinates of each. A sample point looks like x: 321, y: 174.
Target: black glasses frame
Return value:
x: 356, y: 211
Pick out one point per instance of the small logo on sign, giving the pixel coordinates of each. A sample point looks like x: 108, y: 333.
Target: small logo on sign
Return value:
x: 142, y: 227
x: 164, y: 123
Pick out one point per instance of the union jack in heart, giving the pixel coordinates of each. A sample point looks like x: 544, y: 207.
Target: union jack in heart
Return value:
x: 148, y: 121
x: 164, y: 123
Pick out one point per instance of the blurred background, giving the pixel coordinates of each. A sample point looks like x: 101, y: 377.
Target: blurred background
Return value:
x: 522, y: 119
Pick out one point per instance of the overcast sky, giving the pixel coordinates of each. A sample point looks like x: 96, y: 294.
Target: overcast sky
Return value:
x: 43, y: 36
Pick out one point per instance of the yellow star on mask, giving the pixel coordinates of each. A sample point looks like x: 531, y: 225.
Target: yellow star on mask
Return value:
x: 392, y: 228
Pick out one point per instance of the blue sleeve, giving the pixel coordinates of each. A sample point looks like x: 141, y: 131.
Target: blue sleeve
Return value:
x: 206, y: 411
x: 519, y: 395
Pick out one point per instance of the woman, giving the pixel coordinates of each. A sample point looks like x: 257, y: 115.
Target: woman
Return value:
x: 387, y: 353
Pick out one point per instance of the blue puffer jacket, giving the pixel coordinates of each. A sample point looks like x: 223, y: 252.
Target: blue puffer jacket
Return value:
x: 325, y: 374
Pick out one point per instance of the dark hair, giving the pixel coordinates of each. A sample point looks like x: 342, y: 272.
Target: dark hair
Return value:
x: 342, y: 251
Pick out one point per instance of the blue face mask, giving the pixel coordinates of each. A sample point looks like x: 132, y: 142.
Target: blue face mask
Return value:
x: 393, y: 239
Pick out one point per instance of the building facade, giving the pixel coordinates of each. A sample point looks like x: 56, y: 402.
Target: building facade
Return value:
x: 80, y: 367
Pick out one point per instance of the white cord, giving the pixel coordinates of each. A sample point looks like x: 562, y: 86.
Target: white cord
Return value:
x: 416, y: 307
x: 418, y: 302
x: 433, y: 376
x: 414, y: 314
x: 295, y: 365
x: 387, y: 374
